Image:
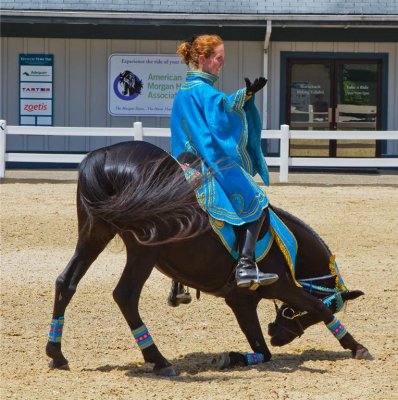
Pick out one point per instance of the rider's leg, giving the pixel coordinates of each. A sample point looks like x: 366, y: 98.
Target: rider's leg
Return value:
x: 247, y: 273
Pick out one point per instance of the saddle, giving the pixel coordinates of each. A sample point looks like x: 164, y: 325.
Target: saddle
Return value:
x: 278, y: 231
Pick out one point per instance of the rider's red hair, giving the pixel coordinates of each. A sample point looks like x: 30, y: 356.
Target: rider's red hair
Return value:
x: 190, y: 50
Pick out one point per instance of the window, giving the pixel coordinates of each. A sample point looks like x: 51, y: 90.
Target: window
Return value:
x: 334, y: 94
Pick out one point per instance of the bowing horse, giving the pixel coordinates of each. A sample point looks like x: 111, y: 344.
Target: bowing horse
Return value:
x: 140, y: 192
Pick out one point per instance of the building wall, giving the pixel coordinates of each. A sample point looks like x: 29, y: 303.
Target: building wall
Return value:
x: 80, y: 82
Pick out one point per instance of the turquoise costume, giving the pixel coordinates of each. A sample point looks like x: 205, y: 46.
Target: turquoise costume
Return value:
x: 225, y: 132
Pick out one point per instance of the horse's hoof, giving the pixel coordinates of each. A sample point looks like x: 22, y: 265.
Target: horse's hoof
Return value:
x: 53, y: 365
x: 166, y: 371
x: 363, y: 354
x: 221, y: 361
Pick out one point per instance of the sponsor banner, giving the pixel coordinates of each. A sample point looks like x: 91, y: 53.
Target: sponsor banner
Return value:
x: 141, y: 84
x: 36, y: 89
x: 36, y: 107
x: 36, y: 59
x: 36, y: 73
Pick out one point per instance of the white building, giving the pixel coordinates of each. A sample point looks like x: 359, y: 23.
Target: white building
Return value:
x: 330, y: 65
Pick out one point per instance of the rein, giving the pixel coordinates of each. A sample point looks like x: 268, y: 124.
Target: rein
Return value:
x: 313, y: 285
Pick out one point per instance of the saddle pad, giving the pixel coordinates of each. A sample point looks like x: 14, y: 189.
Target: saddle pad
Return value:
x: 278, y: 231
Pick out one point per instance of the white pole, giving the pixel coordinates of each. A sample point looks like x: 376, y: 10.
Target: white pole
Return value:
x: 284, y: 154
x: 265, y: 73
x: 138, y: 131
x: 3, y: 134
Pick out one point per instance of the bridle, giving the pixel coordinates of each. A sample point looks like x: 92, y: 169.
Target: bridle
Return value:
x: 292, y: 317
x: 331, y: 294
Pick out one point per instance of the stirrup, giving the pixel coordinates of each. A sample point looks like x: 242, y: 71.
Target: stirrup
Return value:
x: 182, y: 297
x: 249, y: 276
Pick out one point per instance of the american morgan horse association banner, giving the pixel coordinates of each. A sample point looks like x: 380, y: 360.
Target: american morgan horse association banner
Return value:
x: 140, y: 84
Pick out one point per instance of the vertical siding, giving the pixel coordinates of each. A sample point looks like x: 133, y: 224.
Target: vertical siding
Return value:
x: 81, y: 82
x: 12, y: 47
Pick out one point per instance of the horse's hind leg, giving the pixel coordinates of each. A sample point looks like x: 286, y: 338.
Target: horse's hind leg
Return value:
x: 140, y: 263
x: 90, y: 244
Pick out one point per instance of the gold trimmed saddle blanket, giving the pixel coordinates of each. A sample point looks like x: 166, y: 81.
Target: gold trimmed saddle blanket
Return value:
x: 278, y: 231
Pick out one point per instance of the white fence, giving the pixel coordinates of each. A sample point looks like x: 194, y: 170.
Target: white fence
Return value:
x: 138, y: 133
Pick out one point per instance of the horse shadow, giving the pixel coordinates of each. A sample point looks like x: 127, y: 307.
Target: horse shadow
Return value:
x: 190, y: 365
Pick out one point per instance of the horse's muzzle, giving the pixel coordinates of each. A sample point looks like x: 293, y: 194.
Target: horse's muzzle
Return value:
x: 280, y: 336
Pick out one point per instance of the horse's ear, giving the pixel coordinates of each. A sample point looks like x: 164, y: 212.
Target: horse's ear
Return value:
x: 351, y: 295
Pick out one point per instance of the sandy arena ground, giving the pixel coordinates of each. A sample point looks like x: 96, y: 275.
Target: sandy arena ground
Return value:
x: 38, y: 233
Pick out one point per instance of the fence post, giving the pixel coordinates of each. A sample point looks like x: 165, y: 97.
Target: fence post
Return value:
x: 284, y: 154
x: 3, y: 134
x: 138, y: 131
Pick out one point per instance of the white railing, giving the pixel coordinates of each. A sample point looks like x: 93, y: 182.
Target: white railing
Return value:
x: 284, y: 161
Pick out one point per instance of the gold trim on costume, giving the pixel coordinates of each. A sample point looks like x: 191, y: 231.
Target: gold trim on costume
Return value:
x: 286, y: 254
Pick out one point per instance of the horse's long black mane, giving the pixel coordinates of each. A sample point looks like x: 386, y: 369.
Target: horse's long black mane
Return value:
x: 141, y: 190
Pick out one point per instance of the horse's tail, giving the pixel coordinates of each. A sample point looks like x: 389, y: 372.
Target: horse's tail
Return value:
x: 138, y: 188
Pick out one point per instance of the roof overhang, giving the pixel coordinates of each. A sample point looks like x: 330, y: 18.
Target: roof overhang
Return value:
x: 104, y: 17
x: 177, y: 26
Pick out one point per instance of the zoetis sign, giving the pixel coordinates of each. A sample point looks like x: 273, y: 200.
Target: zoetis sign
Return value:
x: 36, y: 89
x: 140, y: 84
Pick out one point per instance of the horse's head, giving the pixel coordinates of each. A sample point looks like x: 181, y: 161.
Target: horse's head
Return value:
x: 130, y: 83
x: 127, y: 77
x: 290, y: 323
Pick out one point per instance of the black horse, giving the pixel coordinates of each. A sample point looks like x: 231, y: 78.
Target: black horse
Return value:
x: 139, y: 192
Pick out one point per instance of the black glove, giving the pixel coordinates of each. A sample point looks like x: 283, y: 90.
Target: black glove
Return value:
x: 254, y: 87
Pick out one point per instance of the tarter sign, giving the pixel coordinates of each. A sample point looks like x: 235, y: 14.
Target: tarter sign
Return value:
x: 36, y: 89
x: 143, y: 84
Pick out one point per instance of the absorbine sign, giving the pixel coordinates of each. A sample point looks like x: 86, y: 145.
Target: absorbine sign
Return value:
x: 140, y: 84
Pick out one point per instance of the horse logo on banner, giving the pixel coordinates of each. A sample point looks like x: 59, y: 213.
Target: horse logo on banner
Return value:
x: 127, y: 85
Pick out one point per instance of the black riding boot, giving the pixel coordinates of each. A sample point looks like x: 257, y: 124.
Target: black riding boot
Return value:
x: 247, y: 273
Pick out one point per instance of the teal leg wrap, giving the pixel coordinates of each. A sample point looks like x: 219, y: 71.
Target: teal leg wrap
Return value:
x: 56, y: 327
x: 253, y: 358
x: 337, y: 328
x: 142, y: 337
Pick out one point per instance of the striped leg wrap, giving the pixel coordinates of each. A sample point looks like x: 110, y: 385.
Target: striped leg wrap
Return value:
x: 253, y: 358
x: 337, y: 328
x: 56, y: 327
x: 142, y: 337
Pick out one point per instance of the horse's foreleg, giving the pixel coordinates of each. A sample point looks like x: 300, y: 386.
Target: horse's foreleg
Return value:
x: 302, y: 300
x: 140, y: 263
x: 245, y: 310
x: 87, y: 250
x: 346, y: 340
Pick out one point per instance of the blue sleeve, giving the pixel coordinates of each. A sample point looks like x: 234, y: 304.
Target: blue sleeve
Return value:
x: 254, y: 140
